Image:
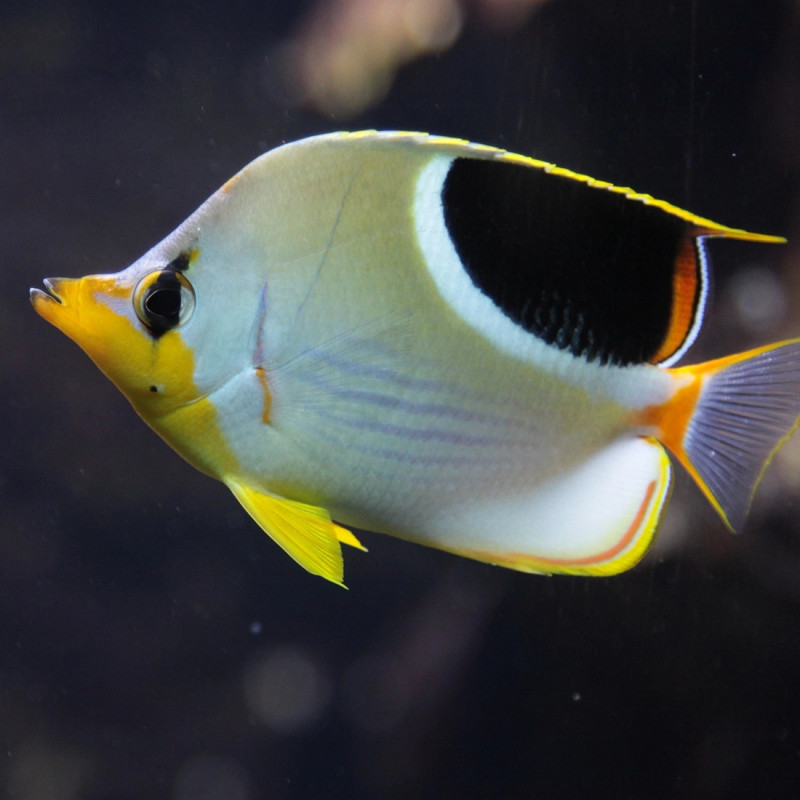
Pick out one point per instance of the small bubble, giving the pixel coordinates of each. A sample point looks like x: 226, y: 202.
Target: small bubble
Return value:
x: 758, y: 298
x: 286, y: 689
x: 255, y: 627
x: 576, y: 696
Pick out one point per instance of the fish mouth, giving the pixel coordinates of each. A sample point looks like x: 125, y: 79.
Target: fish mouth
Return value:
x: 51, y: 295
x: 59, y: 302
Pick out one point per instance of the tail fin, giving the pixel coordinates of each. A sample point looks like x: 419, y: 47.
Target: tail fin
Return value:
x: 747, y: 406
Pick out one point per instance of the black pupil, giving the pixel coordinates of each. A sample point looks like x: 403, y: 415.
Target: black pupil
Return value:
x: 163, y: 301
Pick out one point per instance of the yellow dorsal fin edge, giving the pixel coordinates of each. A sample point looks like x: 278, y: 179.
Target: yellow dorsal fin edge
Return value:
x: 704, y: 226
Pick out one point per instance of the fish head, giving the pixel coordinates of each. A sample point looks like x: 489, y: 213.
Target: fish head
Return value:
x: 130, y: 324
x: 174, y: 330
x: 184, y: 323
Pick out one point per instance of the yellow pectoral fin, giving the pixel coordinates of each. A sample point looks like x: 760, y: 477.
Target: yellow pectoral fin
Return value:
x: 305, y: 532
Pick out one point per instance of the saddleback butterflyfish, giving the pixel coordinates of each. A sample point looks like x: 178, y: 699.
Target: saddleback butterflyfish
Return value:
x: 441, y: 341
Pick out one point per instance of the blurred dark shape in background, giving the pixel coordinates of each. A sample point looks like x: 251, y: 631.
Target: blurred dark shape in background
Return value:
x: 346, y: 53
x: 156, y: 645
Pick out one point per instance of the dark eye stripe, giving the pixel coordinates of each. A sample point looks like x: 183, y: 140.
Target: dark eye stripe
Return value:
x: 181, y: 262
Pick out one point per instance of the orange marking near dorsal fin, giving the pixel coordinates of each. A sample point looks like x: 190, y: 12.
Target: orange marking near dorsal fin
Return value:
x: 686, y: 284
x: 689, y: 278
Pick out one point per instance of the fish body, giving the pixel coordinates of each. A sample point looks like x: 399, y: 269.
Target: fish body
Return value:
x: 441, y: 341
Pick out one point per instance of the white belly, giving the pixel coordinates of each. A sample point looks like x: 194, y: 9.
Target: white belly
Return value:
x: 395, y: 435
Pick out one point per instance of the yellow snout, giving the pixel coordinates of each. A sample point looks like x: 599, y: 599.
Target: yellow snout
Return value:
x: 96, y: 312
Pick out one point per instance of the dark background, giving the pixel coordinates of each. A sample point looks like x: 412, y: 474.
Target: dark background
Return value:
x: 154, y: 644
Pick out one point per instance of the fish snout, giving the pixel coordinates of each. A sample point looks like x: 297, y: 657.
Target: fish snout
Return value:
x: 58, y: 304
x: 58, y: 290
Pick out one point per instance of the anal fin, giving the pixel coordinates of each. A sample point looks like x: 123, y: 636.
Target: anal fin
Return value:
x: 304, y: 531
x: 597, y: 519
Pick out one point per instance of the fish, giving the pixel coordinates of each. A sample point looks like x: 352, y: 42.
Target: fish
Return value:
x: 442, y: 341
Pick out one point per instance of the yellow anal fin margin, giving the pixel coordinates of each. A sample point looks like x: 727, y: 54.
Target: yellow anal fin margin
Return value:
x: 305, y: 532
x: 598, y: 519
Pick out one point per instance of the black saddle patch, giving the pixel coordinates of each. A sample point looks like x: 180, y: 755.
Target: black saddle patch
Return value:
x: 581, y: 267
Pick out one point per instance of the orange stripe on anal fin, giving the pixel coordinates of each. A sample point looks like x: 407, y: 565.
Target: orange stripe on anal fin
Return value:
x: 686, y: 287
x: 605, y: 556
x: 618, y: 557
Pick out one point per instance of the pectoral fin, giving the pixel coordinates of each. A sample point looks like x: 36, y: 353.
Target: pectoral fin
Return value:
x: 305, y: 532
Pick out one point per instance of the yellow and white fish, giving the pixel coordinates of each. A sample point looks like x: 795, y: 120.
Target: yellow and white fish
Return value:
x: 441, y: 341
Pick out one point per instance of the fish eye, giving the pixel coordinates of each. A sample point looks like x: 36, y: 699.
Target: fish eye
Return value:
x: 163, y: 300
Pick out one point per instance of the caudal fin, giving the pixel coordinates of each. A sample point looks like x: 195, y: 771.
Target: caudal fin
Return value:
x: 746, y: 408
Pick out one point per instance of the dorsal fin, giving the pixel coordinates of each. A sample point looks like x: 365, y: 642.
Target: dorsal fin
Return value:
x: 610, y: 275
